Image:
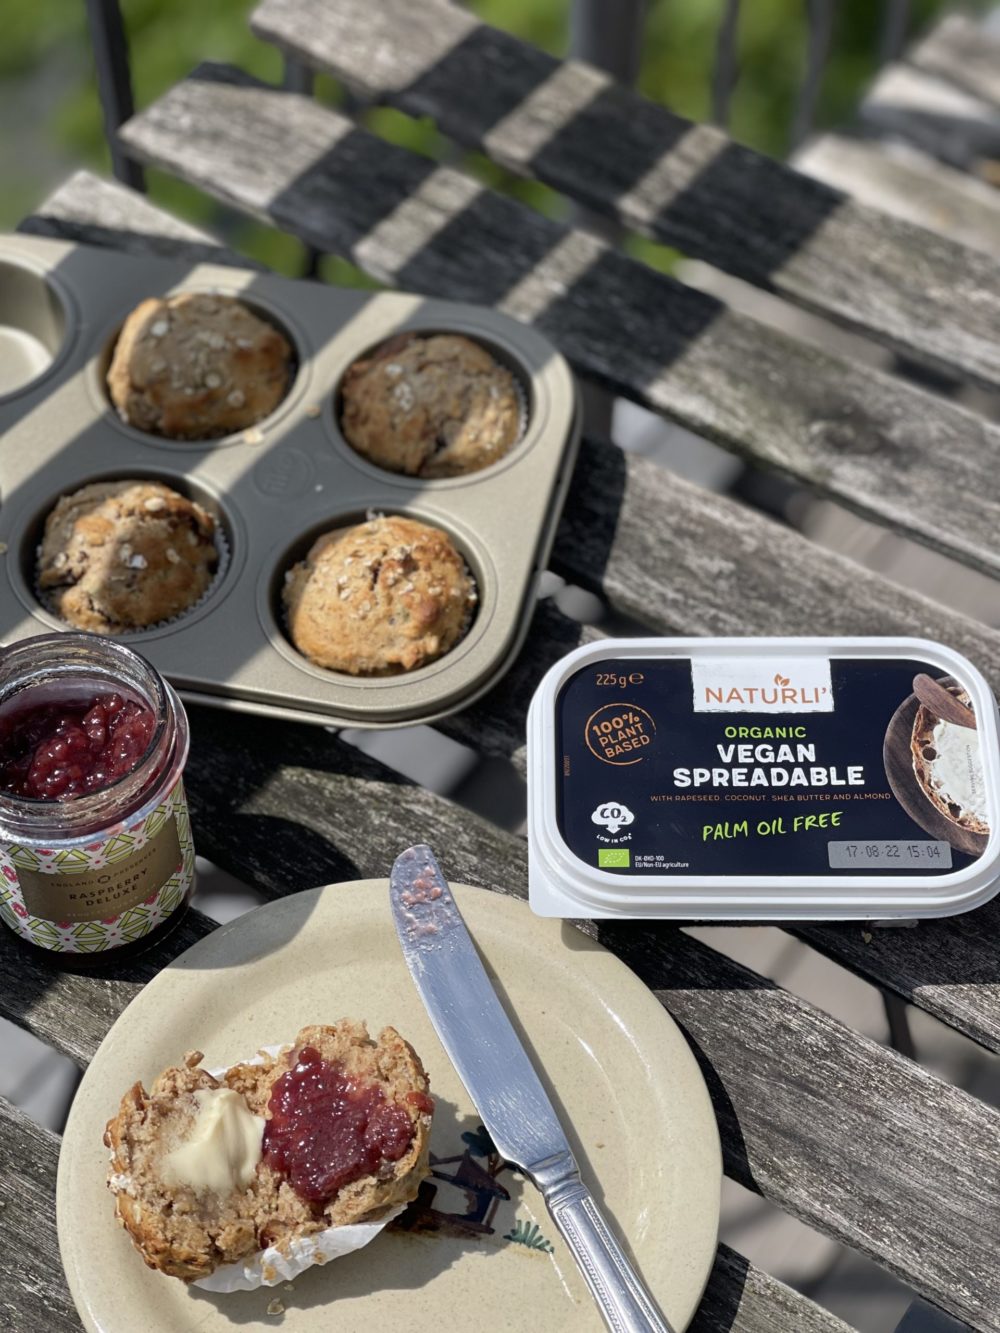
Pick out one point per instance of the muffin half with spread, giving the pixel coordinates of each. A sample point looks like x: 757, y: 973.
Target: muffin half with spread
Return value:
x: 385, y: 596
x: 124, y: 555
x: 240, y: 1178
x: 198, y: 365
x: 431, y: 405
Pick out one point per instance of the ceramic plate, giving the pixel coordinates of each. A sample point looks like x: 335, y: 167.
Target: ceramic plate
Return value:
x: 480, y: 1248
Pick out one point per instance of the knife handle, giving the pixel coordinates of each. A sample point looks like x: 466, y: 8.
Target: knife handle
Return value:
x: 623, y: 1299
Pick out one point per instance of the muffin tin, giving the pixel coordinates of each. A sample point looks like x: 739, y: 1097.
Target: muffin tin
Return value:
x: 275, y: 487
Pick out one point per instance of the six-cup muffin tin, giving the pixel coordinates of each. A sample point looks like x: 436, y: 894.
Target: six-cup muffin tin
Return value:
x: 275, y: 487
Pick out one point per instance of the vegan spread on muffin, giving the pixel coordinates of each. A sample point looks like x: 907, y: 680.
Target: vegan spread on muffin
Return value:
x: 388, y: 595
x: 124, y: 555
x: 332, y: 1130
x: 436, y: 405
x: 196, y: 366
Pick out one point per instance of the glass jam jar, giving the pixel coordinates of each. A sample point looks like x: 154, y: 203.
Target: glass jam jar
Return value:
x: 95, y: 839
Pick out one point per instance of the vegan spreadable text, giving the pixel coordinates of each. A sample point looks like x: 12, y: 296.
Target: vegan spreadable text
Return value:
x: 694, y: 766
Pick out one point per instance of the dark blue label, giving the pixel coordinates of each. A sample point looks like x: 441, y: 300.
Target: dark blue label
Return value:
x: 670, y: 768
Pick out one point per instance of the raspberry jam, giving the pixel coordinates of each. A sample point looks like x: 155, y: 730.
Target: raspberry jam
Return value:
x: 54, y: 749
x: 327, y: 1128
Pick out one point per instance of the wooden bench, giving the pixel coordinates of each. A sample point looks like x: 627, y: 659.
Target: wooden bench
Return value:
x: 857, y: 1141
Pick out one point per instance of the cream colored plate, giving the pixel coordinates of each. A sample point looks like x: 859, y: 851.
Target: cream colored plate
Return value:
x: 632, y: 1097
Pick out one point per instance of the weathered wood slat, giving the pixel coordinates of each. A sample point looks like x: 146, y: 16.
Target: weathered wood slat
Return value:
x: 715, y: 567
x: 34, y: 1297
x: 687, y: 185
x: 908, y: 184
x: 962, y: 51
x: 905, y: 458
x: 942, y: 120
x: 72, y: 1013
x: 740, y: 1298
x: 86, y: 208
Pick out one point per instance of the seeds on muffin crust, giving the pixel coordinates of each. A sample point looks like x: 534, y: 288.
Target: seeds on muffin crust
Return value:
x: 388, y: 595
x: 124, y: 555
x: 196, y: 366
x: 435, y: 405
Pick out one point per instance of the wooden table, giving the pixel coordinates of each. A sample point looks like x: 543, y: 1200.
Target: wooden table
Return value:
x: 859, y: 1142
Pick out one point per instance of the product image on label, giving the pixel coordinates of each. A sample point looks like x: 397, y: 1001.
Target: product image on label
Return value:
x: 805, y: 766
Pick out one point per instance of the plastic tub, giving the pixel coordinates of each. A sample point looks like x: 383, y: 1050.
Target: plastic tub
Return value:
x: 759, y: 779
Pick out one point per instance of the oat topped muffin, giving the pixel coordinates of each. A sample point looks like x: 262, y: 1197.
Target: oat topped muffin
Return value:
x: 388, y: 595
x: 434, y: 406
x: 123, y: 555
x: 196, y: 366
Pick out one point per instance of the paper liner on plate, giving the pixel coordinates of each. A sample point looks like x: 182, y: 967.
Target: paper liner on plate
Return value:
x: 269, y: 1267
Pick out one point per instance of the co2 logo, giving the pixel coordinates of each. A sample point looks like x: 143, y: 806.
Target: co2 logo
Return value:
x: 613, y: 816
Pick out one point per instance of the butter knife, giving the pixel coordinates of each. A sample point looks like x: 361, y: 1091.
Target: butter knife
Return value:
x: 500, y: 1079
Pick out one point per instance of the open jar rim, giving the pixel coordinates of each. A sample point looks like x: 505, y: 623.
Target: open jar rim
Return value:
x: 78, y: 656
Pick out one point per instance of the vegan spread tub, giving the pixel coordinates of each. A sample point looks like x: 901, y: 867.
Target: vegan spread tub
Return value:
x: 756, y: 778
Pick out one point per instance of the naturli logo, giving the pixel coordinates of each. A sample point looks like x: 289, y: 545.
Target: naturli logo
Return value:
x: 724, y: 685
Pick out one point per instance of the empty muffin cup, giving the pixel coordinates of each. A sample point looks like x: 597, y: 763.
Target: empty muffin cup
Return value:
x: 32, y: 326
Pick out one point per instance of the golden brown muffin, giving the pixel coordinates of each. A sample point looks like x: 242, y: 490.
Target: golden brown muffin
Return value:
x: 196, y: 366
x: 123, y: 555
x: 188, y: 1233
x: 388, y: 595
x: 435, y: 406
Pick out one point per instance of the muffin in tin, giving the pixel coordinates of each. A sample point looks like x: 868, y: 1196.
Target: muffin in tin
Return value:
x: 125, y: 555
x: 434, y: 405
x: 197, y: 366
x: 385, y: 596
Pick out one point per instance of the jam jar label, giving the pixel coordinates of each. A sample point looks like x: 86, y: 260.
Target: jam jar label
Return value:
x: 112, y: 891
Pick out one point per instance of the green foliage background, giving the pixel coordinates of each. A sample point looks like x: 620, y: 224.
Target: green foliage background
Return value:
x: 45, y: 47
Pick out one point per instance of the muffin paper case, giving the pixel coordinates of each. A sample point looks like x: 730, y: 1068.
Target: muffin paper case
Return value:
x: 224, y: 555
x: 271, y: 1266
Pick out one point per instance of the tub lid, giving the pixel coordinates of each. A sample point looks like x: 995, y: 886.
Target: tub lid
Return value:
x: 758, y: 778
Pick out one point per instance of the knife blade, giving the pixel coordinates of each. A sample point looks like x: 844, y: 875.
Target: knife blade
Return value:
x: 499, y: 1077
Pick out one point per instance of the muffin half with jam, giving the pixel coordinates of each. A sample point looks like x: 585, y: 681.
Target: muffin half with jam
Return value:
x: 256, y: 1171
